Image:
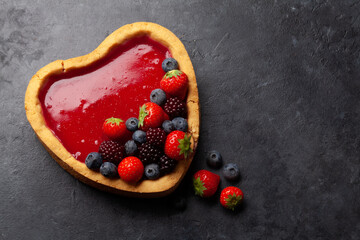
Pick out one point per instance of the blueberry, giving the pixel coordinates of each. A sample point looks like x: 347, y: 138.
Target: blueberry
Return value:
x: 93, y: 160
x: 131, y: 148
x: 158, y: 96
x: 109, y: 170
x: 152, y: 171
x: 214, y: 159
x: 139, y: 136
x: 169, y: 64
x: 132, y: 124
x: 168, y: 126
x: 231, y: 172
x: 180, y: 124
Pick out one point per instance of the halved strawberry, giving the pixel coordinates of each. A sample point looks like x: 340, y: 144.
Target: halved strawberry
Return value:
x: 177, y: 145
x: 205, y: 183
x: 231, y: 197
x: 151, y: 115
x: 115, y: 129
x: 175, y: 83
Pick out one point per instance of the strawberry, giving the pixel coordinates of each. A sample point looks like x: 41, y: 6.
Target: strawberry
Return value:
x: 205, y: 183
x: 115, y: 129
x: 131, y: 169
x: 231, y: 197
x: 166, y: 117
x: 177, y: 145
x: 151, y: 115
x: 175, y: 83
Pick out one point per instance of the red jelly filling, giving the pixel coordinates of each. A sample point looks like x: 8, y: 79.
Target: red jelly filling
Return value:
x: 75, y: 104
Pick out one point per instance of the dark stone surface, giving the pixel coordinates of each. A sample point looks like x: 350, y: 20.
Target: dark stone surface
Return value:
x: 279, y: 85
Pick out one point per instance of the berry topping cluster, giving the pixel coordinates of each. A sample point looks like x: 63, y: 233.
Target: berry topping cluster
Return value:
x: 206, y: 183
x: 150, y: 145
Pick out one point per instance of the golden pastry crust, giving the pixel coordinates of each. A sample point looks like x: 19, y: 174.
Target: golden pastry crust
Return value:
x: 146, y: 188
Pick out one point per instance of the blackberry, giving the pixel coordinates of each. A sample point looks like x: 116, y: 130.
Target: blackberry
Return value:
x: 156, y: 137
x: 174, y: 107
x: 149, y: 153
x: 167, y: 165
x: 112, y: 152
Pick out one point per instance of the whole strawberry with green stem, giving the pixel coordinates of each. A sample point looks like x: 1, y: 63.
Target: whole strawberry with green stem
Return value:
x: 205, y: 183
x: 175, y: 83
x: 231, y: 197
x: 151, y: 115
x: 115, y: 129
x: 178, y: 145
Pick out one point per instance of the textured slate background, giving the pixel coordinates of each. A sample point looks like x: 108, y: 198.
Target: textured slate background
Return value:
x: 279, y: 89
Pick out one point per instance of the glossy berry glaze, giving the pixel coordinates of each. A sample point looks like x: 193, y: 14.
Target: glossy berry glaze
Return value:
x: 76, y: 103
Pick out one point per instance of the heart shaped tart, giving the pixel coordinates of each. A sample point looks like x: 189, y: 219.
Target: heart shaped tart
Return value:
x: 68, y: 101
